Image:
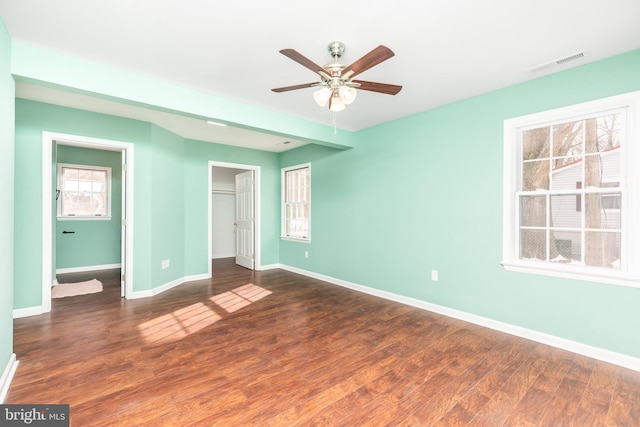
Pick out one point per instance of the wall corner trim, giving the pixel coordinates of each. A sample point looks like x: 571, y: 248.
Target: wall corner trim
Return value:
x: 7, y: 376
x: 604, y: 355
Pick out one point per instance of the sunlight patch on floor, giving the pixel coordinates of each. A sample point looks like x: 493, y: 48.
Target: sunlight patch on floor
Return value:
x: 185, y: 321
x: 240, y: 297
x: 178, y: 324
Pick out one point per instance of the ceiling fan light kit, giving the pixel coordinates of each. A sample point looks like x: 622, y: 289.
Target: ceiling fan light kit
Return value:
x: 336, y: 85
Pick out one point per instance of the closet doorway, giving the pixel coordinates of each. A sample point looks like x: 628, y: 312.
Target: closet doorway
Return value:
x: 234, y: 219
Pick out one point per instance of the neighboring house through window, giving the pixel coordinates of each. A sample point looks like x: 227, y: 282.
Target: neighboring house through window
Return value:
x: 296, y: 202
x: 84, y: 192
x: 571, y: 191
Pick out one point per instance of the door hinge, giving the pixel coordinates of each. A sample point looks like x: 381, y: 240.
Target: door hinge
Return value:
x: 124, y: 222
x: 123, y: 279
x: 124, y: 167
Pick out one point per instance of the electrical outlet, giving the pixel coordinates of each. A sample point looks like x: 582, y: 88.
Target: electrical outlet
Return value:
x: 165, y: 264
x: 434, y: 275
x: 306, y: 254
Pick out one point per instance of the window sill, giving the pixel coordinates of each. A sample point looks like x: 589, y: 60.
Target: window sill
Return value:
x: 599, y: 276
x: 83, y: 218
x: 295, y: 239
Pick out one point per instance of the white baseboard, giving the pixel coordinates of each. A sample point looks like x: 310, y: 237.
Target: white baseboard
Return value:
x: 162, y: 288
x: 554, y: 341
x: 34, y: 311
x: 87, y: 268
x: 195, y: 277
x: 268, y: 267
x: 220, y: 256
x: 28, y: 311
x: 7, y: 376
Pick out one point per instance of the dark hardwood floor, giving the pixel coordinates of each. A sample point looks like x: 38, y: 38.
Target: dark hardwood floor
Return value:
x: 274, y: 348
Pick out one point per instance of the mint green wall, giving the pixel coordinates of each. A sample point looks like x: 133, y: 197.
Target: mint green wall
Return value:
x: 7, y: 111
x: 32, y: 118
x: 168, y: 213
x: 93, y: 242
x: 197, y: 157
x: 425, y: 192
x: 170, y: 185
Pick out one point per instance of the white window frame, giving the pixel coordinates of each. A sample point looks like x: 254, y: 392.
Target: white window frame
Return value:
x: 283, y: 234
x: 629, y: 272
x: 60, y: 197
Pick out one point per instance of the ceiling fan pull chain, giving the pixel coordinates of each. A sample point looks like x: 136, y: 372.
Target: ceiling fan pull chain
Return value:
x: 335, y: 128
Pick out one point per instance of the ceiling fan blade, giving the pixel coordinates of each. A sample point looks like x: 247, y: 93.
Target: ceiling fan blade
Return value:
x: 378, y: 87
x: 294, y: 87
x: 302, y: 60
x: 371, y: 59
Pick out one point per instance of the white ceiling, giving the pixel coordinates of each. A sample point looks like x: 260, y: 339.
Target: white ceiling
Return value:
x: 446, y: 50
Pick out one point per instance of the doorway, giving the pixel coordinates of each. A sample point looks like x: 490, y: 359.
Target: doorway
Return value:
x: 234, y: 213
x: 50, y: 141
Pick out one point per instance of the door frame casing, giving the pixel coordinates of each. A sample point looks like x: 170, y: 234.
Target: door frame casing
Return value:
x: 256, y: 208
x: 48, y: 139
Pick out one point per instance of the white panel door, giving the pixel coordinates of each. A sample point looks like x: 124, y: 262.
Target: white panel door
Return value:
x: 245, y: 220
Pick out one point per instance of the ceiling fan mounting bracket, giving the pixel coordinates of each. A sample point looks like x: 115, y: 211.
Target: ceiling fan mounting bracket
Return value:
x: 336, y: 49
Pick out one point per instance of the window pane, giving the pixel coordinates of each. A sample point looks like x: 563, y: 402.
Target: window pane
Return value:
x: 85, y: 174
x: 564, y: 213
x: 83, y: 204
x: 603, y: 169
x: 70, y: 185
x: 98, y: 204
x: 84, y: 186
x: 568, y: 247
x: 99, y: 176
x: 608, y: 132
x: 69, y: 173
x: 533, y: 244
x: 602, y: 249
x: 568, y: 140
x: 535, y: 143
x: 533, y: 211
x: 68, y: 203
x: 603, y: 211
x: 535, y: 175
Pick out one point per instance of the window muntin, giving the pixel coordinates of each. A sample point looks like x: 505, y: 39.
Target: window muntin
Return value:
x: 296, y: 200
x: 84, y: 192
x: 569, y: 191
x: 554, y: 158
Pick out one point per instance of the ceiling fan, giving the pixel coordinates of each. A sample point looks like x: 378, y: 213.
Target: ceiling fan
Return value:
x: 336, y: 85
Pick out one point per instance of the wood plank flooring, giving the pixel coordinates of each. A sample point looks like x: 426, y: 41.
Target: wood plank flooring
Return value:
x: 274, y: 348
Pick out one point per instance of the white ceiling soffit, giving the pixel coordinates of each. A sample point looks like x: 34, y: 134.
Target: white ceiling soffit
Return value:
x: 187, y: 127
x: 445, y: 50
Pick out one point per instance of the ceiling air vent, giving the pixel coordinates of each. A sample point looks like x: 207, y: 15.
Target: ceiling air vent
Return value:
x: 558, y: 61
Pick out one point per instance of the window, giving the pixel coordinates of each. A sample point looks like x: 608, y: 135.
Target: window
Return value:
x: 570, y: 185
x: 84, y: 192
x: 296, y: 199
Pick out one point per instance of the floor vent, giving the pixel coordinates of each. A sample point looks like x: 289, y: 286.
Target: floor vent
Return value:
x: 558, y: 61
